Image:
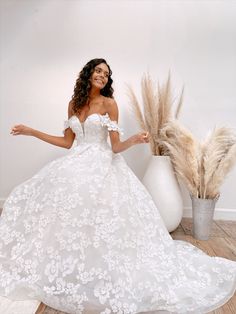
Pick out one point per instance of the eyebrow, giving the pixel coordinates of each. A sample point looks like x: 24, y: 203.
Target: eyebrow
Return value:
x: 101, y: 69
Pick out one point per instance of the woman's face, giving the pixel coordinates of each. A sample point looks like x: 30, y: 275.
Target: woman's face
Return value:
x: 100, y: 76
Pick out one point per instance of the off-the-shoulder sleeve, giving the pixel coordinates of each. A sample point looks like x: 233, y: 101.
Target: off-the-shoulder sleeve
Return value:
x: 111, y: 124
x: 66, y: 125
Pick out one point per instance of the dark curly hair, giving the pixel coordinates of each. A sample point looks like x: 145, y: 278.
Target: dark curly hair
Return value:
x: 83, y: 86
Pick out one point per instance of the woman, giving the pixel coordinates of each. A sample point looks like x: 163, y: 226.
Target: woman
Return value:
x: 83, y: 234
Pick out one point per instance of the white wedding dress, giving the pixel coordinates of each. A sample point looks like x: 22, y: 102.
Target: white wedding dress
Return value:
x: 84, y: 236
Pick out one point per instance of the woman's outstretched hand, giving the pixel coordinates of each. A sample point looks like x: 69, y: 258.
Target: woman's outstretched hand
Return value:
x: 21, y: 129
x: 140, y: 138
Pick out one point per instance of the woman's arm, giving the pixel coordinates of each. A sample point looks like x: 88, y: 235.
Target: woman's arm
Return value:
x: 117, y: 145
x: 65, y: 141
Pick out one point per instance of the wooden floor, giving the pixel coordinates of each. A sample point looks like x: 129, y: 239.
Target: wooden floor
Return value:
x: 221, y: 243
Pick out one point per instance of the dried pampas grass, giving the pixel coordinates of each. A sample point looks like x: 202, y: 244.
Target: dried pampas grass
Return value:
x: 183, y: 150
x: 156, y: 109
x: 201, y: 165
x: 218, y: 159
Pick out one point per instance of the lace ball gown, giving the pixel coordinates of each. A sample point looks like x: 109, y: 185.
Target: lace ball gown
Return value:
x: 83, y: 235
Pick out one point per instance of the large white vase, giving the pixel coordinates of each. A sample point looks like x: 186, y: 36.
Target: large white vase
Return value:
x: 161, y: 182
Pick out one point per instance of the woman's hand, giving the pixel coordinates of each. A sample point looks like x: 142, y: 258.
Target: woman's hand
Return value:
x: 140, y: 138
x: 21, y: 129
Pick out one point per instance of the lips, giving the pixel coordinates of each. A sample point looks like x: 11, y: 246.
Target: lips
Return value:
x: 99, y: 81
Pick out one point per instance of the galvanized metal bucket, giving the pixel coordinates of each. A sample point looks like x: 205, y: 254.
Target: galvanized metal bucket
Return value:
x: 203, y: 212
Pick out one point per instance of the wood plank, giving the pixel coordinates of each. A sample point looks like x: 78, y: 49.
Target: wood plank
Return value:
x: 226, y: 308
x: 216, y: 231
x: 232, y: 304
x: 179, y: 230
x: 231, y: 243
x: 41, y: 308
x: 223, y: 247
x: 229, y: 227
x: 223, y: 310
x: 186, y: 224
x: 50, y: 310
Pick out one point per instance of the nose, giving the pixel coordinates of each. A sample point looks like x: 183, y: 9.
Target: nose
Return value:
x: 101, y: 75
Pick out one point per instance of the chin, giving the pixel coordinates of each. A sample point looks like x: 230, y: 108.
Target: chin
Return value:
x: 99, y: 86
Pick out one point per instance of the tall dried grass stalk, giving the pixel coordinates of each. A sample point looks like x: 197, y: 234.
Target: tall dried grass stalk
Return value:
x: 219, y: 159
x: 179, y: 105
x: 183, y: 150
x: 201, y: 165
x: 156, y: 109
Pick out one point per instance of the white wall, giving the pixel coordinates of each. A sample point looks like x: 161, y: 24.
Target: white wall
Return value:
x: 44, y: 45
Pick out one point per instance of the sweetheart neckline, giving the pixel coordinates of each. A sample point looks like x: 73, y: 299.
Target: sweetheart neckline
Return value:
x: 95, y: 113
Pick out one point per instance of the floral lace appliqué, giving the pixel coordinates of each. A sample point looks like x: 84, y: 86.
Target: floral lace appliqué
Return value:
x: 83, y: 235
x: 111, y: 124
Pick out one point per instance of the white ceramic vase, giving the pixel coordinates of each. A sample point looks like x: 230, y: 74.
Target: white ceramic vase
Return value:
x: 161, y: 182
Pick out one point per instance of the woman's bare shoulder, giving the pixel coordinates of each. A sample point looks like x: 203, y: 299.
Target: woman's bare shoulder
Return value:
x: 111, y: 108
x: 70, y: 108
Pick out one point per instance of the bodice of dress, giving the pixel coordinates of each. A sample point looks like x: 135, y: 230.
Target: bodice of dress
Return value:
x: 93, y: 130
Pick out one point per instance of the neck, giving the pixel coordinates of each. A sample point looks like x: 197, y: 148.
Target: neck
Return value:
x: 94, y: 93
